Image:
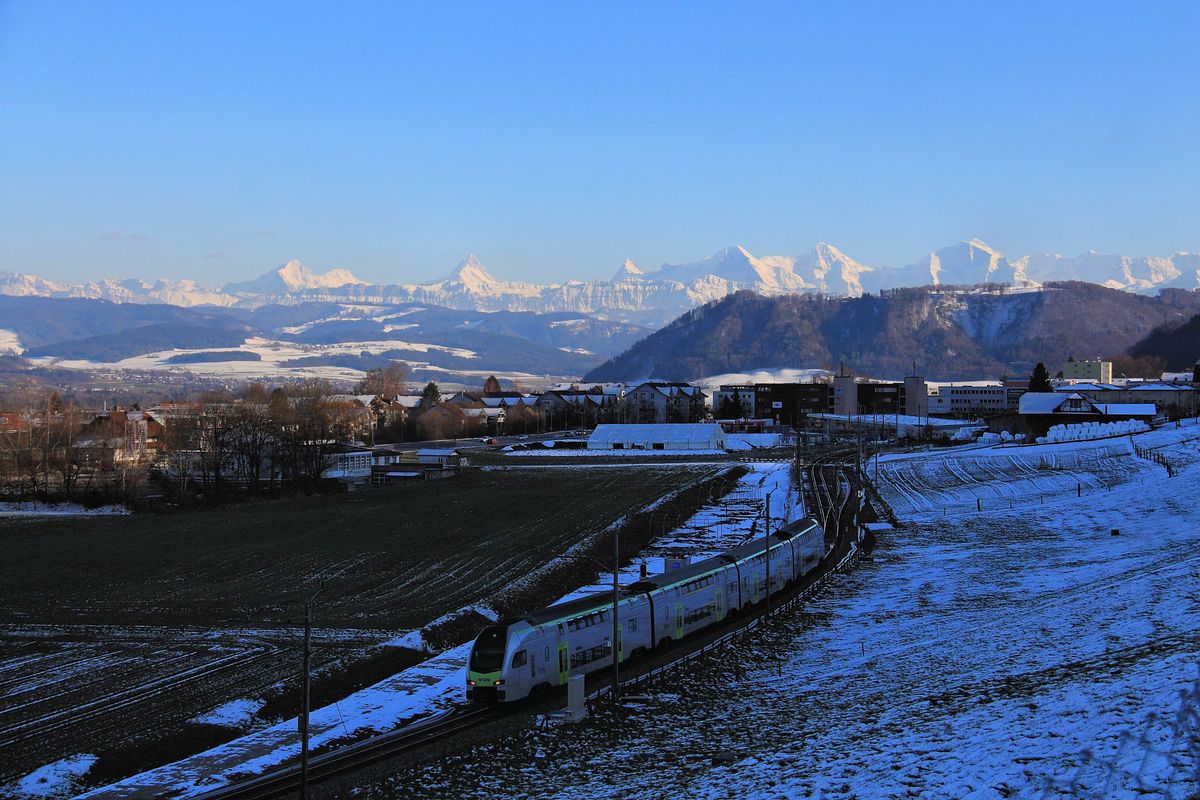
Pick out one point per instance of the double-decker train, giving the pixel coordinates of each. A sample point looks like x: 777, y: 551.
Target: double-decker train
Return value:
x: 516, y: 658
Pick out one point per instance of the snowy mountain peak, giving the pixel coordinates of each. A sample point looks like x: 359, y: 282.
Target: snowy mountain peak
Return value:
x: 628, y: 270
x: 473, y: 276
x: 292, y: 277
x: 977, y: 244
x: 830, y: 271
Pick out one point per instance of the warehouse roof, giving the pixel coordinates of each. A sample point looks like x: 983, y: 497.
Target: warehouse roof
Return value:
x: 679, y: 432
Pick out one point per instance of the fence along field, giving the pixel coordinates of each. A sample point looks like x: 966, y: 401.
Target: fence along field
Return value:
x: 121, y: 629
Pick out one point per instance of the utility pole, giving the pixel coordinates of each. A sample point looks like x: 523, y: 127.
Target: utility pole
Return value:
x: 768, y: 538
x: 307, y: 681
x: 616, y: 642
x: 858, y: 483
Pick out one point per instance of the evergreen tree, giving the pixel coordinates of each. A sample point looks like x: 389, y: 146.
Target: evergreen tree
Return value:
x: 431, y: 396
x: 491, y: 385
x: 1039, y: 381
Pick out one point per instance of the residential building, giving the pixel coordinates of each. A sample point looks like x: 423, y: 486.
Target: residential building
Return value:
x: 574, y: 408
x: 661, y: 402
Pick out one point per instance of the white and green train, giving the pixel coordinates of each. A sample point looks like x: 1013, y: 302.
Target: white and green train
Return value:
x: 511, y: 660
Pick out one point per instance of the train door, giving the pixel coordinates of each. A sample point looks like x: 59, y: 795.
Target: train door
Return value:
x: 720, y: 604
x: 678, y: 621
x: 564, y: 665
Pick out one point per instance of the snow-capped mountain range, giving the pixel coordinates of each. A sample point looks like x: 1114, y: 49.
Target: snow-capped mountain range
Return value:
x: 648, y: 297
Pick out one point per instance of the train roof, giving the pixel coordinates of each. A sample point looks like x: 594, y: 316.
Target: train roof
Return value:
x: 672, y: 577
x: 749, y: 549
x: 601, y: 600
x: 571, y: 608
x: 799, y: 526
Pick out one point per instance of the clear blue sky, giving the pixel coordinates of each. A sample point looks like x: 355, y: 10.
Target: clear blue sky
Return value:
x: 216, y: 140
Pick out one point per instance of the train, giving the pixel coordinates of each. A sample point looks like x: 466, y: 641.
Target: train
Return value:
x: 514, y: 659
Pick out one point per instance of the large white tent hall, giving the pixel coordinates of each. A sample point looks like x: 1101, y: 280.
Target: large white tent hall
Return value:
x: 663, y: 436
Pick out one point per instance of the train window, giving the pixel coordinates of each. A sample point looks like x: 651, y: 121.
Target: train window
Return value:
x: 560, y: 629
x: 632, y: 625
x: 547, y: 653
x: 518, y: 659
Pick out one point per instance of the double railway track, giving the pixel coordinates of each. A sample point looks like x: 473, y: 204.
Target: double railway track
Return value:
x: 829, y: 489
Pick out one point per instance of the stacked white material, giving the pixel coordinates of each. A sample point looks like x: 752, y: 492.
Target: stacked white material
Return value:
x: 1092, y: 430
x: 966, y: 434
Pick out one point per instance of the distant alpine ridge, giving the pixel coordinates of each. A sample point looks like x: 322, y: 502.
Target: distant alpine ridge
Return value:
x: 650, y: 298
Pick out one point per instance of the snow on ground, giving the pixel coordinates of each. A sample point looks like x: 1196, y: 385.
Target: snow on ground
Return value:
x: 562, y: 452
x: 436, y: 686
x: 716, y: 527
x: 233, y: 714
x: 9, y: 343
x: 420, y: 692
x: 1018, y: 652
x: 53, y: 780
x: 36, y: 508
x: 272, y: 355
x: 765, y: 375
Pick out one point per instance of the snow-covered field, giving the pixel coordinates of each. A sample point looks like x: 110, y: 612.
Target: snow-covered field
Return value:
x: 1018, y: 651
x: 272, y: 357
x: 9, y: 343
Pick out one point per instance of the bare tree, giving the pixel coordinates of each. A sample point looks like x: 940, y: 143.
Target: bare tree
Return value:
x: 252, y: 437
x: 66, y: 457
x: 387, y: 382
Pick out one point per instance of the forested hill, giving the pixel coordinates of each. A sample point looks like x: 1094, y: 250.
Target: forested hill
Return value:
x: 1177, y: 345
x: 950, y: 334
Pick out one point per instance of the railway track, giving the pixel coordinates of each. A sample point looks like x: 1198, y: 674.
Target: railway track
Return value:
x: 832, y: 494
x: 356, y: 756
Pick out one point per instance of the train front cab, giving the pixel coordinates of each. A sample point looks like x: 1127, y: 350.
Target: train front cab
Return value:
x: 485, y: 667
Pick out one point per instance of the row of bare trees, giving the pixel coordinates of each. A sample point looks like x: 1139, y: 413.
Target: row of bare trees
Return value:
x: 258, y: 442
x: 47, y: 450
x: 212, y: 446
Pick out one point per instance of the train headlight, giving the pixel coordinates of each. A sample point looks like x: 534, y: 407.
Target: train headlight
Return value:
x: 499, y: 682
x: 470, y: 683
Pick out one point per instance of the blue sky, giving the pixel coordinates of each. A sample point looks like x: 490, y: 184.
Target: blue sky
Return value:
x: 218, y: 140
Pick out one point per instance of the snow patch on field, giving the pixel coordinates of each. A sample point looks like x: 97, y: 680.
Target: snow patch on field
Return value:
x: 233, y: 714
x: 562, y: 452
x: 36, y: 508
x: 54, y: 780
x: 272, y: 355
